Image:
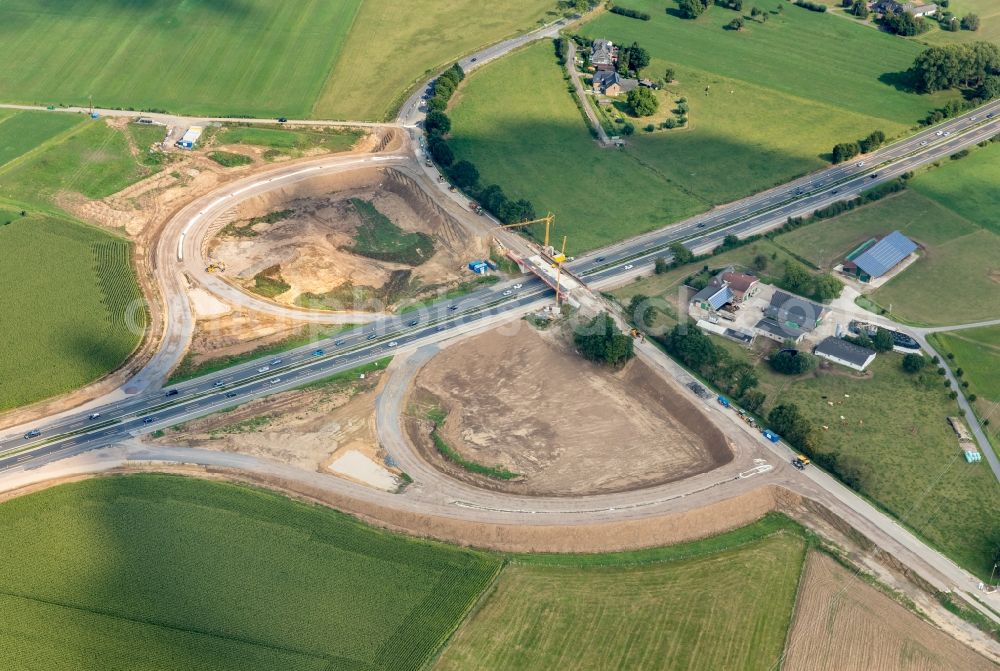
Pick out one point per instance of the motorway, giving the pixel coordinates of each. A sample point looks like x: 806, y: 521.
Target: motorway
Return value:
x: 150, y: 408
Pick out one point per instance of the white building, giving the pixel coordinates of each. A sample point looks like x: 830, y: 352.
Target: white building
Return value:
x: 845, y: 353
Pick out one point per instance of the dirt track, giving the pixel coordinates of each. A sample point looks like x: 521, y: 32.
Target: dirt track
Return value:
x: 835, y: 608
x: 531, y: 405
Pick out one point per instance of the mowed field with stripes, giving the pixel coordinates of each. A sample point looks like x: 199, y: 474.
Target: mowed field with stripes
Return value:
x: 345, y: 59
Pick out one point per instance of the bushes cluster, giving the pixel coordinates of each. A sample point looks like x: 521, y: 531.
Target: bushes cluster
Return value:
x: 601, y: 340
x: 965, y: 66
x: 792, y: 362
x: 848, y: 150
x: 631, y: 13
x: 811, y: 6
x: 692, y: 9
x: 905, y: 24
x: 697, y: 351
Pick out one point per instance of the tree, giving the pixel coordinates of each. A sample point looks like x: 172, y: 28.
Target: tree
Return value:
x: 642, y: 313
x: 602, y: 341
x: 797, y: 279
x: 437, y: 123
x: 882, y: 340
x: 692, y: 347
x: 441, y: 152
x: 753, y: 400
x: 735, y: 24
x: 669, y: 75
x: 760, y: 262
x: 860, y: 9
x: 792, y: 362
x: 681, y: 253
x: 914, y: 363
x: 493, y: 198
x: 642, y: 102
x: 955, y: 66
x: 512, y: 211
x: 845, y: 151
x: 970, y: 22
x: 872, y: 142
x: 904, y: 23
x: 691, y: 9
x: 660, y: 266
x: 788, y: 421
x: 826, y: 287
x: 464, y: 174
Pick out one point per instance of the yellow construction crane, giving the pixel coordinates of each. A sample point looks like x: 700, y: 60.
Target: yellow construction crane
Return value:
x: 547, y: 220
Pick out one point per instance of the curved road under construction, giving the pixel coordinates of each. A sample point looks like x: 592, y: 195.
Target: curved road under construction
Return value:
x: 67, y: 443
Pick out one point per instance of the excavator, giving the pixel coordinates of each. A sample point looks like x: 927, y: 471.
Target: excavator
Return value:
x: 216, y: 267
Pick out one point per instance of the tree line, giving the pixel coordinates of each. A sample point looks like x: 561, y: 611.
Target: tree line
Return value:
x: 631, y: 13
x: 845, y: 151
x: 974, y: 67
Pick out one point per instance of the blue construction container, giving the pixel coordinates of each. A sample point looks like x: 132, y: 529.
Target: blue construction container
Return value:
x: 723, y: 401
x: 479, y: 267
x: 771, y: 435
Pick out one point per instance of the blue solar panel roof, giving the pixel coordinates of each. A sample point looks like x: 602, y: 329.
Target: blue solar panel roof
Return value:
x: 883, y: 256
x: 720, y: 298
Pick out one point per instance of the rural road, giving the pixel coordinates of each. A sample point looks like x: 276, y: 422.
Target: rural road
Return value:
x: 70, y: 440
x: 574, y: 75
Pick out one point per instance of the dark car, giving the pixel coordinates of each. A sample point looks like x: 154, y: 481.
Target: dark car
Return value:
x: 414, y: 322
x: 147, y: 420
x: 231, y: 394
x: 599, y: 259
x: 171, y: 392
x: 34, y: 433
x: 372, y: 336
x: 282, y: 119
x: 452, y: 308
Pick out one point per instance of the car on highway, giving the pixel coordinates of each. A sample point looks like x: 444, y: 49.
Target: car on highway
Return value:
x: 518, y: 285
x: 338, y: 343
x: 508, y: 292
x: 990, y: 115
x: 275, y: 362
x: 452, y: 308
x: 628, y: 266
x: 231, y: 394
x: 318, y: 352
x: 414, y: 322
x: 599, y: 259
x: 372, y: 336
x: 171, y: 392
x: 441, y: 327
x: 874, y: 175
x: 701, y: 225
x: 939, y: 133
x: 93, y: 415
x: 860, y: 164
x: 473, y: 59
x: 393, y: 343
x: 835, y: 192
x: 974, y: 118
x: 147, y: 420
x: 218, y: 383
x: 34, y: 433
x: 947, y: 133
x: 275, y: 380
x: 924, y: 143
x: 263, y: 369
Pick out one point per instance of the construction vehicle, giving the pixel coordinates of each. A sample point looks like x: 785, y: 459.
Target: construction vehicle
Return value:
x: 476, y: 207
x: 216, y: 267
x: 634, y: 332
x: 800, y: 462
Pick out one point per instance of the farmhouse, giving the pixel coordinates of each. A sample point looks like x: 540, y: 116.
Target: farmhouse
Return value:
x: 728, y: 286
x: 602, y: 55
x: 788, y: 317
x: 884, y: 7
x: 871, y: 262
x: 919, y: 9
x: 610, y: 83
x: 845, y: 353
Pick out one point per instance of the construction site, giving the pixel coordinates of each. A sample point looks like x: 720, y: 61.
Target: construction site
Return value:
x: 306, y: 237
x: 529, y: 404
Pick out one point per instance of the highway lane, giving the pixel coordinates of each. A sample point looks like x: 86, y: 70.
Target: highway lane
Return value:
x: 603, y: 267
x: 267, y: 375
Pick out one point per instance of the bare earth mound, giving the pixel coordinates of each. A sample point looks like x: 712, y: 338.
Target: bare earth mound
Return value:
x: 843, y: 624
x: 315, y: 225
x: 529, y: 404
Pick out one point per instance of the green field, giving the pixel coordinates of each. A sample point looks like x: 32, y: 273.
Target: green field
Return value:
x: 71, y: 304
x: 342, y: 59
x: 72, y: 309
x: 282, y: 141
x: 157, y: 572
x: 952, y: 211
x: 378, y: 238
x: 776, y: 105
x: 394, y: 45
x: 257, y: 57
x: 896, y: 440
x: 92, y: 159
x: 727, y: 610
x: 977, y: 353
